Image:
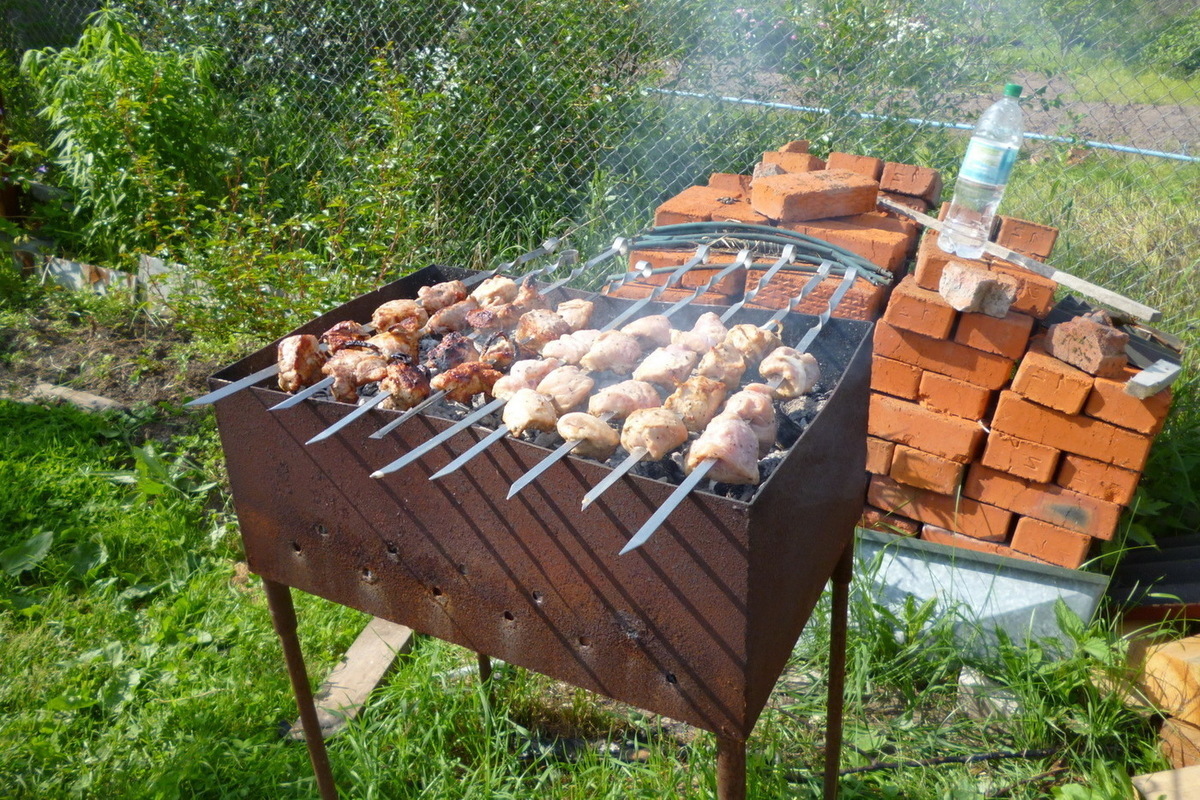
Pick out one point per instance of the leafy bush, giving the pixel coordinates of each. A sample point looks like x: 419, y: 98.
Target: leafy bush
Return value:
x: 1102, y: 24
x: 1176, y: 49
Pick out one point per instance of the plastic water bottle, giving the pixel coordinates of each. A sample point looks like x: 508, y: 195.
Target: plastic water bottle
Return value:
x: 983, y: 176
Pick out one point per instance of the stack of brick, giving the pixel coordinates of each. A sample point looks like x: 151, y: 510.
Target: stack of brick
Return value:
x: 834, y: 200
x: 985, y: 434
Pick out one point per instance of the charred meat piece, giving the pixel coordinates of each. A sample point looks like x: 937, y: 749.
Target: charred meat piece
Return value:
x: 539, y: 327
x: 752, y: 342
x: 452, y: 317
x: 707, y: 333
x: 696, y: 401
x: 341, y: 334
x: 466, y: 380
x: 667, y: 366
x: 597, y: 439
x: 566, y: 386
x: 723, y: 363
x: 436, y: 297
x: 730, y: 442
x: 525, y: 374
x: 755, y: 405
x: 613, y: 351
x: 401, y: 339
x: 792, y: 372
x: 393, y: 312
x: 351, y: 368
x: 659, y: 430
x: 500, y: 352
x: 495, y: 291
x: 505, y: 316
x: 529, y: 410
x: 405, y: 384
x: 454, y: 349
x: 622, y: 399
x: 651, y: 331
x: 571, y: 347
x: 299, y: 359
x: 486, y: 320
x: 577, y: 312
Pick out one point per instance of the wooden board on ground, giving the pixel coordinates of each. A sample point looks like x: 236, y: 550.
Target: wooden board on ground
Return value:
x: 364, y: 666
x: 1174, y: 784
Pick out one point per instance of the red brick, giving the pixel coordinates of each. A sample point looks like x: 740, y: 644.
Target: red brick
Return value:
x: 736, y: 185
x: 915, y: 203
x: 793, y: 162
x: 895, y: 378
x: 890, y: 221
x: 969, y: 287
x: 730, y: 285
x: 1097, y: 479
x: 879, y: 455
x: 693, y: 204
x: 863, y: 301
x: 914, y: 181
x: 1051, y: 543
x: 739, y: 211
x: 943, y: 393
x: 908, y: 423
x: 924, y: 470
x: 919, y: 310
x: 795, y: 146
x: 931, y: 261
x: 1095, y: 347
x: 948, y: 358
x: 1049, y: 382
x: 866, y: 235
x: 1109, y: 402
x: 863, y: 165
x: 1006, y: 336
x: 1027, y: 238
x: 800, y: 196
x: 959, y: 514
x: 886, y: 522
x: 1025, y: 459
x: 1035, y: 294
x: 1045, y: 501
x: 1083, y: 436
x: 932, y: 533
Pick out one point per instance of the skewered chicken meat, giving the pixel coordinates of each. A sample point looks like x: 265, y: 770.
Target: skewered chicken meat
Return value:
x: 436, y: 297
x: 503, y: 316
x: 613, y: 351
x: 696, y: 400
x: 577, y: 312
x: 667, y: 366
x: 341, y: 334
x: 755, y: 405
x: 651, y: 331
x: 452, y: 317
x: 300, y: 359
x: 529, y: 410
x: 454, y: 349
x: 572, y: 346
x: 567, y: 387
x: 753, y: 342
x: 487, y: 320
x: 597, y: 439
x: 729, y: 441
x: 500, y: 352
x: 723, y: 363
x: 622, y: 399
x: 495, y: 291
x: 405, y: 384
x: 795, y: 373
x: 393, y: 312
x: 537, y: 328
x: 658, y: 430
x: 463, y: 382
x: 352, y: 367
x: 403, y: 338
x: 525, y: 374
x: 707, y: 333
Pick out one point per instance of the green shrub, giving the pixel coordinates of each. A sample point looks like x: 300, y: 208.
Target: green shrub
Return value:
x: 1176, y: 49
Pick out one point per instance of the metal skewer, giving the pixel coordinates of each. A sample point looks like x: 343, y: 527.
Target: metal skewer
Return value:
x: 620, y: 246
x: 547, y: 247
x: 302, y: 395
x: 789, y: 252
x: 362, y: 409
x: 672, y: 279
x: 559, y: 454
x: 235, y: 387
x: 702, y: 469
x: 635, y: 455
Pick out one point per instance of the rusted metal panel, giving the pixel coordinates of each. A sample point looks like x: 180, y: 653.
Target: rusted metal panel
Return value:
x: 696, y: 625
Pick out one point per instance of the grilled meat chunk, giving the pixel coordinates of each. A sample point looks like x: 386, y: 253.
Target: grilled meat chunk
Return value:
x: 755, y: 405
x: 394, y: 312
x: 651, y: 331
x: 299, y: 359
x: 659, y: 430
x: 525, y: 374
x: 466, y: 380
x: 729, y: 441
x: 351, y: 368
x: 529, y: 410
x: 401, y: 339
x: 723, y: 363
x: 454, y: 349
x: 495, y: 291
x: 666, y: 366
x: 436, y: 297
x: 341, y: 334
x: 795, y: 373
x: 622, y: 399
x: 707, y: 333
x: 567, y: 387
x: 752, y: 342
x: 500, y: 352
x: 597, y: 439
x: 696, y: 401
x: 539, y: 327
x: 613, y: 351
x: 405, y: 384
x: 452, y: 317
x: 571, y: 347
x: 577, y: 312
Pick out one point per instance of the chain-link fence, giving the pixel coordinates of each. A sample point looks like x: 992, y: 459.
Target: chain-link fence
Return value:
x: 516, y: 116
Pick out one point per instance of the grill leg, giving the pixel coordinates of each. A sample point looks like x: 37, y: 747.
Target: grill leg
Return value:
x: 283, y: 616
x: 731, y: 769
x: 835, y: 702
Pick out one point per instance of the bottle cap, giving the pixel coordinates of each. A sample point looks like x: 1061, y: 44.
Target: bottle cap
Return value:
x: 1012, y: 90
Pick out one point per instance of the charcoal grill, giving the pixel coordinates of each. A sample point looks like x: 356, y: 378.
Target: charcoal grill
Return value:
x: 697, y: 625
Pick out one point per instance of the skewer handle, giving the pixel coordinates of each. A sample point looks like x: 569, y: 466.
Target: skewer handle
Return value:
x: 234, y: 388
x: 672, y: 279
x: 476, y: 449
x: 660, y: 515
x: 789, y: 252
x: 635, y: 455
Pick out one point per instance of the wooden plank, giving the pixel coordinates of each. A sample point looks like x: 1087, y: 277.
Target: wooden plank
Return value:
x: 1174, y: 784
x: 364, y: 666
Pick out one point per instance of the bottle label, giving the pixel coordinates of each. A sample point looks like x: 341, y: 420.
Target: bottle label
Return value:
x: 988, y: 162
